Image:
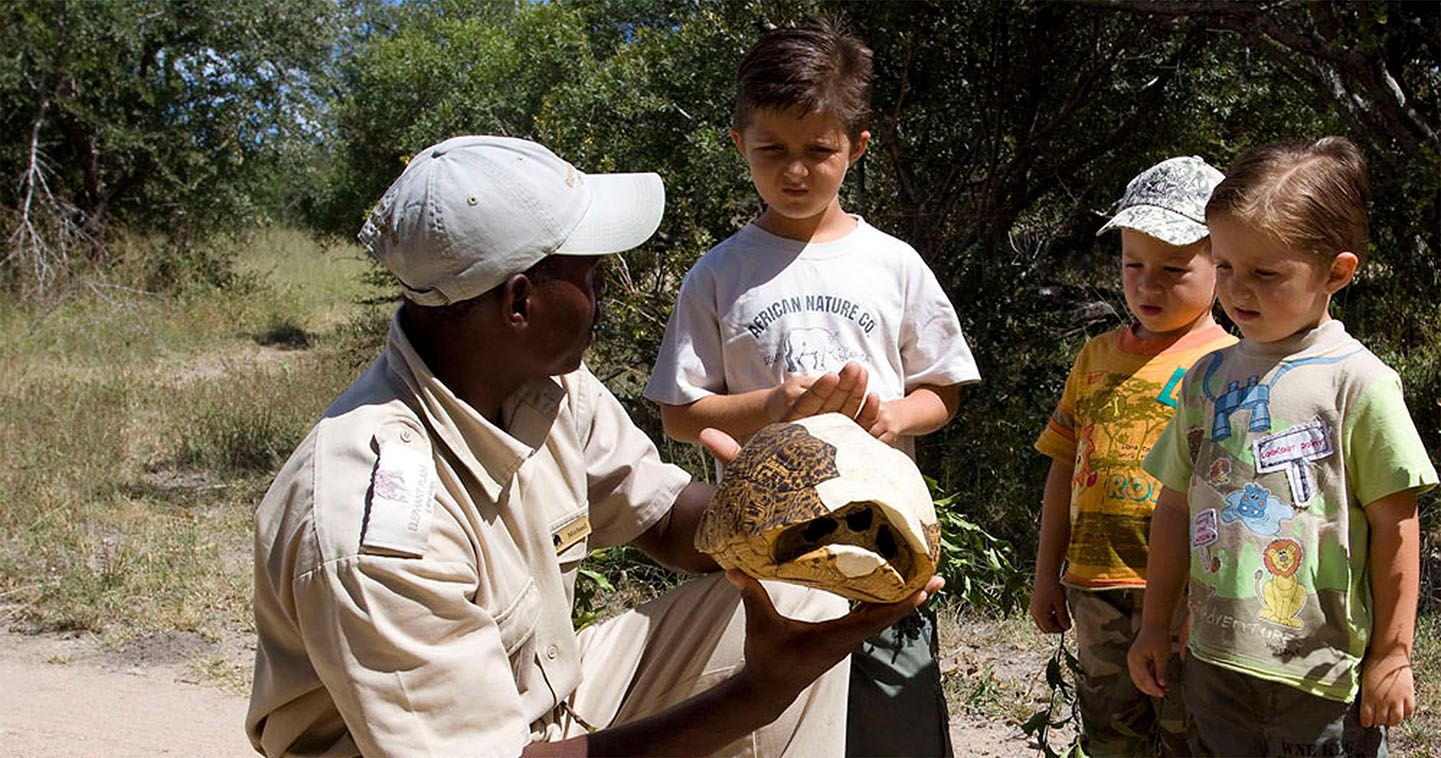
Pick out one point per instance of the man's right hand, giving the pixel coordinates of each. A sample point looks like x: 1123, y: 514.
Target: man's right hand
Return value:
x: 784, y: 656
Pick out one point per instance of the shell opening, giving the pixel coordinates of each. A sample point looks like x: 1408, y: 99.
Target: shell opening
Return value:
x: 861, y: 524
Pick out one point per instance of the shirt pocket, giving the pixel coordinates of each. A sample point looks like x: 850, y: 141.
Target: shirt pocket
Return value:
x: 518, y: 622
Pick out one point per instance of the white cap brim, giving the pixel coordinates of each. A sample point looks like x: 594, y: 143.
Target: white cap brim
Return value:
x: 625, y: 210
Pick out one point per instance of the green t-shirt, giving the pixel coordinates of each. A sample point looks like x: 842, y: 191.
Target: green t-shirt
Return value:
x: 1279, y: 446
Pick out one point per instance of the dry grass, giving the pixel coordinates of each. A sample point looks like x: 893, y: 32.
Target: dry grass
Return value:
x: 141, y: 430
x: 993, y: 669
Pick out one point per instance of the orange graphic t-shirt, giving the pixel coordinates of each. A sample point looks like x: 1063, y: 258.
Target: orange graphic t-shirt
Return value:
x: 1121, y: 392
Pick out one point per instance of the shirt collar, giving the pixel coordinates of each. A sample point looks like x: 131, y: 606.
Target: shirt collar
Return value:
x: 1131, y: 342
x: 1327, y: 335
x: 491, y: 453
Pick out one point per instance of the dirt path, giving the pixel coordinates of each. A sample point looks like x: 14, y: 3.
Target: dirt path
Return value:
x: 64, y: 697
x: 60, y: 697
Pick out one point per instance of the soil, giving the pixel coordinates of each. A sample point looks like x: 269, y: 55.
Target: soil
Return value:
x: 65, y: 695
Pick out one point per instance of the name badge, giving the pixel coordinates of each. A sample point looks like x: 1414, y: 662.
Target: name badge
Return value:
x: 568, y: 535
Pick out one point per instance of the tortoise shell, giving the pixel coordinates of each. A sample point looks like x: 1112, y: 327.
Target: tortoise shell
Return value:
x: 821, y: 502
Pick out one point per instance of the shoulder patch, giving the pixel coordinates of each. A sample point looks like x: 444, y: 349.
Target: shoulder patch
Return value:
x: 402, y: 498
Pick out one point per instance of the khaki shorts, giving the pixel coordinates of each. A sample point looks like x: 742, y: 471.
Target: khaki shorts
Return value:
x: 691, y: 639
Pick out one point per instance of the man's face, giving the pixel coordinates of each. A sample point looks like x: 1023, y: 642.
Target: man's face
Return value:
x: 564, y: 310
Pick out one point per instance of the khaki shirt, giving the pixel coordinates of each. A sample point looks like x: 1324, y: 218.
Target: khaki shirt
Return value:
x: 393, y: 622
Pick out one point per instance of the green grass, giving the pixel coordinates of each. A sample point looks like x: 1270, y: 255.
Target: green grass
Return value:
x: 1418, y: 736
x: 141, y: 430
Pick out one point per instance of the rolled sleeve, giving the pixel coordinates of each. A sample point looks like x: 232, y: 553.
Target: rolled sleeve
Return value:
x: 629, y: 486
x: 1170, y: 460
x: 1058, y: 439
x: 406, y: 656
x: 1384, y: 452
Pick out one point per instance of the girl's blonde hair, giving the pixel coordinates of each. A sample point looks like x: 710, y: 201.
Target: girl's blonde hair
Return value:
x: 1311, y: 196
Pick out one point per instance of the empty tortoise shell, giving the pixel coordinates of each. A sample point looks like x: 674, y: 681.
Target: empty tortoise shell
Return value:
x: 820, y: 502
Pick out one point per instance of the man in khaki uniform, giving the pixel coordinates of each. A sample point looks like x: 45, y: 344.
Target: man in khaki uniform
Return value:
x: 416, y: 557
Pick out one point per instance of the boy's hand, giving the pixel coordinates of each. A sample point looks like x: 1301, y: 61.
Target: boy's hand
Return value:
x: 840, y: 392
x: 783, y: 396
x: 1147, y: 660
x: 879, y: 417
x: 1388, y: 689
x: 1048, y: 606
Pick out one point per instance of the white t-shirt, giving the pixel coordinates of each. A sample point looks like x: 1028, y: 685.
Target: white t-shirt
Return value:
x: 758, y: 308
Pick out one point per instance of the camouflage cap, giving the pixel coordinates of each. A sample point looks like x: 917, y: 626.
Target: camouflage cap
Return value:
x: 1168, y: 201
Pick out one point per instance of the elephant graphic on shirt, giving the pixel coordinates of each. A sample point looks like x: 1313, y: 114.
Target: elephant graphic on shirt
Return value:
x: 812, y: 350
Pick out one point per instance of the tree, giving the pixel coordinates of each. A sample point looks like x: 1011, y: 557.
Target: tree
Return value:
x: 1002, y: 134
x: 158, y: 114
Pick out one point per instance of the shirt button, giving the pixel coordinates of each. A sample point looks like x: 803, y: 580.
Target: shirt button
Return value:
x: 551, y: 652
x: 405, y: 435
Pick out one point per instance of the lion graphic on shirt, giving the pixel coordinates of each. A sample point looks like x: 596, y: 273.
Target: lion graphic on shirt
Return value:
x: 1283, y: 596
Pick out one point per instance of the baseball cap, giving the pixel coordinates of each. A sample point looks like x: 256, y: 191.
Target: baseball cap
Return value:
x: 1168, y: 201
x: 469, y: 212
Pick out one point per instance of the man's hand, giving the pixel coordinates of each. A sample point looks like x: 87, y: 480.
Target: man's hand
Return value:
x: 1147, y: 660
x: 784, y: 656
x: 841, y: 392
x: 1048, y: 606
x: 1388, y: 689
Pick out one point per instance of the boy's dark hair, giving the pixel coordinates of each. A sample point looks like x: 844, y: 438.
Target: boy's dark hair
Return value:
x: 1311, y: 196
x: 818, y: 67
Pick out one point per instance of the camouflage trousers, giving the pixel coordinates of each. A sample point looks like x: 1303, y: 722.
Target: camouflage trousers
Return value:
x: 1117, y: 718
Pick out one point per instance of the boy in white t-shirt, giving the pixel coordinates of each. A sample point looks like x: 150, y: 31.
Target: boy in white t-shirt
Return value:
x: 808, y: 310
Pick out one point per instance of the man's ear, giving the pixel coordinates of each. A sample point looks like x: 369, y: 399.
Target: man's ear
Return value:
x: 1343, y: 269
x: 737, y: 140
x: 858, y: 148
x: 514, y: 300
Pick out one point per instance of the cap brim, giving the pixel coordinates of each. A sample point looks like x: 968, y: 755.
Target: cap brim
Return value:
x: 625, y: 210
x: 1163, y: 224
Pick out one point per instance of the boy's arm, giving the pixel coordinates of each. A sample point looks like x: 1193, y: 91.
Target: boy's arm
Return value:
x: 1388, y: 687
x: 1048, y: 599
x: 744, y: 413
x: 1167, y: 570
x: 923, y: 410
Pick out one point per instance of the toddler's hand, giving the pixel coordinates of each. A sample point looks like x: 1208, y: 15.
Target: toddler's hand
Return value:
x: 1048, y: 606
x: 1388, y: 689
x: 1147, y: 660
